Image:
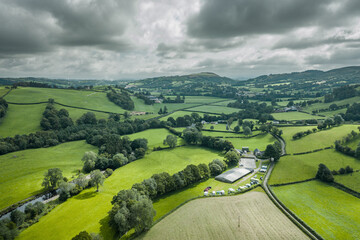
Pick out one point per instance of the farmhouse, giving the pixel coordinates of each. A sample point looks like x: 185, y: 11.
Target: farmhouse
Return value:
x: 233, y: 175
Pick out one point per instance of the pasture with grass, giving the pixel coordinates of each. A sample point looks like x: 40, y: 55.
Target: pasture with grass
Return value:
x: 22, y: 172
x: 332, y: 213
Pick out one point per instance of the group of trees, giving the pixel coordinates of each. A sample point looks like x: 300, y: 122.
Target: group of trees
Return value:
x: 96, y: 134
x: 145, y: 98
x: 161, y: 111
x: 273, y: 151
x: 3, y: 107
x: 353, y: 112
x: 54, y: 119
x: 170, y: 140
x: 324, y: 174
x: 343, y: 92
x: 341, y: 145
x: 178, y: 99
x: 9, y: 227
x: 330, y: 122
x: 121, y: 99
x: 345, y: 170
x: 93, y: 161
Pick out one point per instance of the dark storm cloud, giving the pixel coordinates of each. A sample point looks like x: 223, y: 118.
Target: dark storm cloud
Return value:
x: 230, y: 18
x: 33, y: 26
x: 303, y: 43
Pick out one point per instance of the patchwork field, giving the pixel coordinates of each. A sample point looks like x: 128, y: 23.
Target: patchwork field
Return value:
x: 214, y: 109
x: 301, y: 167
x: 86, y: 99
x: 21, y: 119
x: 62, y: 219
x: 317, y: 140
x: 142, y: 107
x: 293, y: 116
x: 248, y: 216
x: 224, y: 104
x: 201, y: 99
x: 332, y: 213
x: 351, y: 181
x: 22, y: 172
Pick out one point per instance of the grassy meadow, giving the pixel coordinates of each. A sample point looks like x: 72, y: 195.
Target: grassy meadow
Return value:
x: 214, y: 109
x: 181, y: 114
x: 89, y: 210
x: 21, y: 119
x: 248, y: 216
x: 332, y: 213
x: 351, y: 180
x: 142, y: 107
x: 22, y: 172
x: 300, y: 167
x: 317, y: 140
x: 326, y: 105
x: 155, y: 137
x: 85, y: 99
x: 293, y: 116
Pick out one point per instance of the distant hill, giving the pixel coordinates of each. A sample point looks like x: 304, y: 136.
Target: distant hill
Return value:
x: 348, y: 74
x: 173, y: 81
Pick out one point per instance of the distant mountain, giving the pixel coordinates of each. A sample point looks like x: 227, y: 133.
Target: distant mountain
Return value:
x: 170, y: 81
x: 347, y: 74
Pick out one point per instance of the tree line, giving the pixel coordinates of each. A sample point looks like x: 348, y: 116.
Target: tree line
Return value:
x: 341, y: 145
x: 54, y: 119
x: 133, y: 208
x: 3, y: 107
x: 121, y: 99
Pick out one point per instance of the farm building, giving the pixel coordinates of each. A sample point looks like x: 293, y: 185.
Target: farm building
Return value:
x: 233, y: 175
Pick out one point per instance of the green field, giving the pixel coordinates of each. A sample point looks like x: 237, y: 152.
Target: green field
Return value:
x: 224, y: 104
x: 22, y: 172
x: 321, y: 139
x: 301, y: 167
x: 76, y: 113
x: 89, y: 210
x: 142, y: 107
x: 332, y: 113
x: 354, y: 143
x: 3, y: 90
x: 201, y: 99
x: 332, y: 213
x: 351, y: 181
x: 86, y: 99
x: 21, y: 119
x: 248, y: 216
x: 326, y: 105
x: 155, y: 137
x: 293, y: 116
x: 172, y: 200
x: 214, y: 109
x: 220, y: 126
x: 181, y: 114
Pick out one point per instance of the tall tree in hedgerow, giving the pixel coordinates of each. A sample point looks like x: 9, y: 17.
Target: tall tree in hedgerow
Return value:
x: 324, y: 174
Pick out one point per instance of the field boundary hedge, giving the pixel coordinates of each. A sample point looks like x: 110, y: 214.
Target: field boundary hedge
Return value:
x: 6, y: 93
x: 345, y: 189
x: 313, y: 151
x: 255, y: 135
x: 291, y: 183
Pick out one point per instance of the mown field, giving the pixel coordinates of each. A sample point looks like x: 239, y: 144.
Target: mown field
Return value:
x: 21, y: 119
x: 317, y: 140
x: 85, y: 99
x: 22, y: 172
x: 214, y: 109
x: 332, y: 213
x: 248, y: 216
x: 302, y: 167
x: 351, y: 180
x: 293, y: 116
x: 88, y: 211
x: 332, y: 113
x: 172, y: 200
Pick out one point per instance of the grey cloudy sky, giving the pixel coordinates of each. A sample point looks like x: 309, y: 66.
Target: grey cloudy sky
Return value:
x: 121, y: 39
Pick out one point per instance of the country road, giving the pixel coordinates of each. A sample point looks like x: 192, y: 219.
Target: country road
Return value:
x: 289, y: 214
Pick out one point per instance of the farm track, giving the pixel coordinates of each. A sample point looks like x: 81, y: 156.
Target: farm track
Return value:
x: 288, y: 213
